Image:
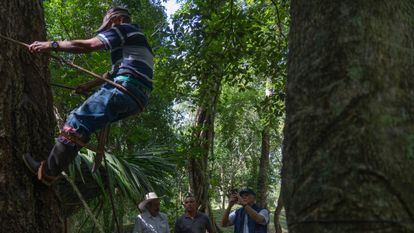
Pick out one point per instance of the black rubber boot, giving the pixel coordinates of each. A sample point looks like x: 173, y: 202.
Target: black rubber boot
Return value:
x: 38, y: 169
x: 60, y: 157
x: 31, y: 163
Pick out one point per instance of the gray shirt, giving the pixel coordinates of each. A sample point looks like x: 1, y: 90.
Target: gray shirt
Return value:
x: 146, y: 223
x: 199, y: 224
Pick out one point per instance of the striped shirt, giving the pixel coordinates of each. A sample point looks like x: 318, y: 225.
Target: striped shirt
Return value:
x: 130, y: 52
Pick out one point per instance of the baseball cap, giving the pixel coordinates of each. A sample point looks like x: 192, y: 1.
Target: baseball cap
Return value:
x: 111, y: 13
x: 247, y: 191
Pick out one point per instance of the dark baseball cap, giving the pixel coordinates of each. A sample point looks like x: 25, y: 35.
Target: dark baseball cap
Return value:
x: 110, y: 14
x: 247, y: 191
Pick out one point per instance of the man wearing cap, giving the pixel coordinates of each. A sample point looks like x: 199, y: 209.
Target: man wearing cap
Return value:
x: 250, y: 218
x: 193, y: 221
x: 151, y: 220
x: 132, y: 67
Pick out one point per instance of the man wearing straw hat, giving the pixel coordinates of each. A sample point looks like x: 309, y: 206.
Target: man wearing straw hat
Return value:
x: 151, y: 220
x: 132, y: 67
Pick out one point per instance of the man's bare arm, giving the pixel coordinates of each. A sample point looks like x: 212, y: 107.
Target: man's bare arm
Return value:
x: 71, y: 46
x: 80, y: 46
x: 254, y: 215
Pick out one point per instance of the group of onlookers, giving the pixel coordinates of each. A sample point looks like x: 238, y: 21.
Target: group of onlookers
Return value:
x: 249, y: 218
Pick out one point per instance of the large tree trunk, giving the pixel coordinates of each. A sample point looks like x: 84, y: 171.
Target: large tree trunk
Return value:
x: 203, y: 145
x: 349, y: 133
x: 26, y: 122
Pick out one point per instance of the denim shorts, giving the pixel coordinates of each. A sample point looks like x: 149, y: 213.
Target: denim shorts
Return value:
x: 106, y: 105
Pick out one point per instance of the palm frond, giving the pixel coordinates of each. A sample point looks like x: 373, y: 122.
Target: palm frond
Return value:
x: 132, y: 175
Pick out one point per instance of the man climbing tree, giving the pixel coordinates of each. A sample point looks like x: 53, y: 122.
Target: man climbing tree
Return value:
x: 132, y: 67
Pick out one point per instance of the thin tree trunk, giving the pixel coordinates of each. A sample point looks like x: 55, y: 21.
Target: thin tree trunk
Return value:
x: 264, y: 166
x: 262, y: 181
x: 276, y: 217
x: 348, y: 149
x: 26, y: 122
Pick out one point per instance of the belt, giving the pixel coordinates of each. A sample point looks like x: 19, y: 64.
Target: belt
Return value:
x: 134, y: 81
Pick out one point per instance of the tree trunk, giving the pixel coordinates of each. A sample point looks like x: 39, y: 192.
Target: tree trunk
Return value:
x: 349, y: 132
x: 199, y: 179
x: 276, y: 217
x: 262, y: 180
x: 264, y: 166
x: 203, y: 143
x: 26, y: 122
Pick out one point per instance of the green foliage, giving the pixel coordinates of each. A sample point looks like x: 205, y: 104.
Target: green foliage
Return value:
x: 243, y: 45
x: 240, y: 45
x: 139, y: 143
x: 131, y: 177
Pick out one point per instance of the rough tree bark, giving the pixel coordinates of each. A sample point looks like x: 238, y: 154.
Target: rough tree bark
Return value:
x: 348, y: 153
x: 26, y: 122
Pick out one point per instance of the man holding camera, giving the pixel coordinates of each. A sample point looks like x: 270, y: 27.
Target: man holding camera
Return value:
x: 250, y: 218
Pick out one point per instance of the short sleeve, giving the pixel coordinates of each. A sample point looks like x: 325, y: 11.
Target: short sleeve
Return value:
x: 265, y: 214
x: 112, y: 38
x: 232, y: 217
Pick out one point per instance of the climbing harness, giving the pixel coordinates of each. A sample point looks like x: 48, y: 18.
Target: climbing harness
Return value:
x: 102, y: 137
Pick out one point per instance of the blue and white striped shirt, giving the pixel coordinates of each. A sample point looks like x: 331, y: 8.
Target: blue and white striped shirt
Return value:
x: 130, y: 52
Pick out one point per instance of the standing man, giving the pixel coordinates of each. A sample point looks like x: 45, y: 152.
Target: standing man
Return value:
x: 192, y: 221
x: 250, y: 218
x: 132, y: 67
x: 151, y: 220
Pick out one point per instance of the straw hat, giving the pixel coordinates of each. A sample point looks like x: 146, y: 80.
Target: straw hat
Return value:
x: 148, y: 197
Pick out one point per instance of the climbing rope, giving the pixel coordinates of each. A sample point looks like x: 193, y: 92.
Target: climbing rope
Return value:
x: 88, y: 210
x: 61, y: 60
x: 111, y: 197
x: 62, y: 86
